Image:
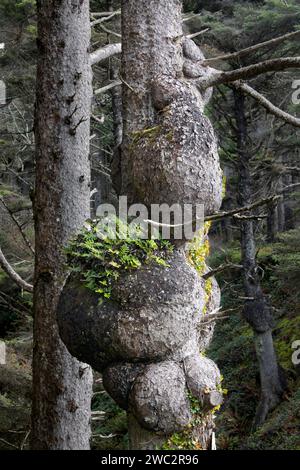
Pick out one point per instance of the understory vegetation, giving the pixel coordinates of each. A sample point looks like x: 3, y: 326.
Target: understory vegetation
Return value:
x: 280, y: 271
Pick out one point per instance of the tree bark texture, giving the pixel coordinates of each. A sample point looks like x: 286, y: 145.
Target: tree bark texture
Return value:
x: 257, y: 310
x: 147, y: 339
x: 169, y: 151
x: 168, y: 155
x: 62, y: 386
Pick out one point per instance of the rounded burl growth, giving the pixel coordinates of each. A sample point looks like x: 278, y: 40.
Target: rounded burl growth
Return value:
x: 147, y: 335
x: 145, y: 320
x: 176, y: 160
x: 158, y: 398
x: 145, y: 341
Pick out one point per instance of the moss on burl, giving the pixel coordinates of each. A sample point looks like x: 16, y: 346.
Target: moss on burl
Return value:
x: 101, y: 253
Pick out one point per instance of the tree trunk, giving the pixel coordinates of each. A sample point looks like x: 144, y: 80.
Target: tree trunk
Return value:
x: 281, y: 204
x: 153, y: 70
x: 272, y: 222
x: 150, y: 361
x: 150, y: 30
x: 62, y: 386
x: 257, y: 311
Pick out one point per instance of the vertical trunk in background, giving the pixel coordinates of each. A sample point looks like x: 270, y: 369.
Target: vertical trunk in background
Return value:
x: 62, y: 386
x: 281, y: 206
x: 272, y: 221
x: 146, y: 55
x: 257, y: 311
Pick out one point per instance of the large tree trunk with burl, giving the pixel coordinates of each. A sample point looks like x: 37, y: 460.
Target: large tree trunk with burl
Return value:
x: 147, y: 339
x: 257, y: 310
x: 62, y: 386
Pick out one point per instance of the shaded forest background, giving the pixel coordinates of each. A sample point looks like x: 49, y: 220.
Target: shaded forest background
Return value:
x: 274, y: 148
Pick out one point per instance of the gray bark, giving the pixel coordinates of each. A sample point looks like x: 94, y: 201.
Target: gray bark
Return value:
x: 62, y: 386
x: 146, y: 337
x: 257, y: 310
x: 158, y: 95
x: 281, y: 205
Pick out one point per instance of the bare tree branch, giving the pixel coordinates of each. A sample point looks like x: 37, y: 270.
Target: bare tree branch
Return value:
x: 113, y: 49
x: 195, y: 35
x: 105, y: 52
x: 249, y: 50
x: 108, y: 87
x: 109, y: 31
x: 231, y: 213
x: 13, y: 275
x: 288, y: 118
x: 291, y: 169
x: 289, y: 187
x: 15, y: 220
x: 102, y: 13
x: 105, y: 18
x: 220, y: 269
x: 249, y: 217
x: 252, y: 71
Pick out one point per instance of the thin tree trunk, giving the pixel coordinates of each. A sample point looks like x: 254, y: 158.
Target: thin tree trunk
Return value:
x: 272, y: 219
x: 62, y: 386
x: 272, y: 222
x: 281, y: 206
x: 257, y: 311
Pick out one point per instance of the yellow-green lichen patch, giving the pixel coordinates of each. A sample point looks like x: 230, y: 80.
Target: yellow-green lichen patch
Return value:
x: 199, y: 249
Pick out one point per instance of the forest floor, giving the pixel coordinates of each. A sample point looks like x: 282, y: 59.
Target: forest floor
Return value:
x: 232, y: 348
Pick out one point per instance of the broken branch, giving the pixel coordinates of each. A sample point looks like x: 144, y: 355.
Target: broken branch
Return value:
x: 288, y: 118
x: 251, y: 71
x: 8, y: 269
x: 249, y: 50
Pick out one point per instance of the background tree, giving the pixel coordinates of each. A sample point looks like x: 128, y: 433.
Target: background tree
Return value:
x: 61, y: 384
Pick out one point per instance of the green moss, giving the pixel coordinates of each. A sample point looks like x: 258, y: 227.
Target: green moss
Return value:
x: 281, y: 430
x: 6, y: 190
x: 152, y: 133
x: 224, y: 184
x: 100, y: 254
x: 185, y: 439
x: 169, y: 136
x: 233, y: 349
x: 148, y: 133
x: 199, y: 250
x: 208, y: 291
